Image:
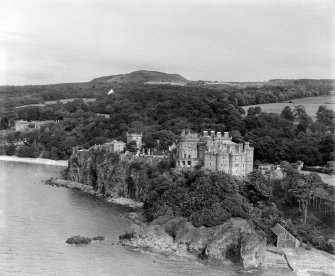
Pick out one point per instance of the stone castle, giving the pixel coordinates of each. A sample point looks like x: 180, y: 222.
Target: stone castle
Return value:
x: 215, y: 152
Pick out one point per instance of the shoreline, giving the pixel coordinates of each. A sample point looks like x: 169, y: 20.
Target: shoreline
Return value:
x: 41, y: 161
x: 292, y: 260
x: 122, y: 201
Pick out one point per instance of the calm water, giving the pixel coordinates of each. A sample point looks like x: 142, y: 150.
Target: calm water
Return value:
x: 36, y: 219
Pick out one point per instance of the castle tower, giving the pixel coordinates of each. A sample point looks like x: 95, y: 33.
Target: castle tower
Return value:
x: 249, y: 158
x: 187, y: 150
x: 137, y: 137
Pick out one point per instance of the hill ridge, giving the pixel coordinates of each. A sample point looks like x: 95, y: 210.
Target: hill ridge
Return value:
x: 141, y: 76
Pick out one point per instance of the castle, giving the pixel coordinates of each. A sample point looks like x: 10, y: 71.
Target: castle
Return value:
x: 215, y: 152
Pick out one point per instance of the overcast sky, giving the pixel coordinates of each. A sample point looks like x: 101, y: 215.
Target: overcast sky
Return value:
x: 52, y: 41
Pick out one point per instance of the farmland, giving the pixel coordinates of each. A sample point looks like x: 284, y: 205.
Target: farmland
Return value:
x: 311, y: 105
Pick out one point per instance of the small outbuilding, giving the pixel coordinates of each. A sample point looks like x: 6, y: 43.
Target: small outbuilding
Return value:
x: 284, y: 237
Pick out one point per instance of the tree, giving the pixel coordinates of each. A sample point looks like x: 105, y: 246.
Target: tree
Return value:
x: 253, y: 111
x: 302, y: 117
x: 166, y: 138
x: 325, y: 116
x: 4, y: 123
x: 287, y: 113
x: 131, y: 146
x: 303, y: 190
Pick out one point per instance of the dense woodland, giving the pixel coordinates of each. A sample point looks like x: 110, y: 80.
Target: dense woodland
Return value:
x: 273, y: 91
x: 161, y: 112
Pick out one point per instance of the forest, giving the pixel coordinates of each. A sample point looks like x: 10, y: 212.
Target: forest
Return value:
x: 161, y: 112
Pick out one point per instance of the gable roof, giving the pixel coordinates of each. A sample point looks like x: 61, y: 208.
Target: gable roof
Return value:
x: 278, y: 229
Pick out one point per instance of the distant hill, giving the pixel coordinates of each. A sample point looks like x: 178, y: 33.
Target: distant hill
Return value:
x: 141, y: 76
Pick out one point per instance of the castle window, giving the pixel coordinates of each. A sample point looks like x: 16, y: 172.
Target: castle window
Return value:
x: 183, y: 162
x: 184, y: 155
x: 189, y: 156
x: 189, y: 163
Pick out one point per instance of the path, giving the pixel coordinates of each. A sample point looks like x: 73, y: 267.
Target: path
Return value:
x: 310, y: 262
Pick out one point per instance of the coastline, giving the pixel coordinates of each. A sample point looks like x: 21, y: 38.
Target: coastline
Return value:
x: 41, y: 161
x: 299, y: 261
x: 127, y: 202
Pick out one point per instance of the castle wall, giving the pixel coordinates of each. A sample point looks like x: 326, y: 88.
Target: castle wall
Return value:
x: 187, y: 154
x: 215, y: 152
x: 249, y: 158
x: 222, y: 162
x: 210, y: 161
x: 187, y: 150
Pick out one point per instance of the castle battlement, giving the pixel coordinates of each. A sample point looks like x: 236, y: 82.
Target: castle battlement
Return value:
x: 214, y: 151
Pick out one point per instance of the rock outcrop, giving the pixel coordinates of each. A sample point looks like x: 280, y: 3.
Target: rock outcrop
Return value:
x: 235, y: 240
x: 78, y: 240
x: 110, y: 174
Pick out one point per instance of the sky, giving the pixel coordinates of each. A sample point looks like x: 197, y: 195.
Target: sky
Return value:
x: 57, y: 41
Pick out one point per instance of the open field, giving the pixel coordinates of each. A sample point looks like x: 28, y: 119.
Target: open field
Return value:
x: 86, y: 100
x: 329, y: 179
x: 311, y: 105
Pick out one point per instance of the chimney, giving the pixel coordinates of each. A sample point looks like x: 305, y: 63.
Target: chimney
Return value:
x: 218, y: 134
x: 246, y: 145
x: 226, y: 134
x: 205, y: 133
x: 183, y: 132
x: 212, y: 133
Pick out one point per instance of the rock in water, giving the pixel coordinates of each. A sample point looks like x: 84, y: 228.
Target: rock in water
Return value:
x: 99, y: 238
x: 78, y: 240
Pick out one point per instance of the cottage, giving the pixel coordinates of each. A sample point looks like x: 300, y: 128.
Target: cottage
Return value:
x: 284, y: 237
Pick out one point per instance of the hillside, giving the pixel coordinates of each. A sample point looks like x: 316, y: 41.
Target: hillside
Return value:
x: 141, y: 76
x: 244, y: 93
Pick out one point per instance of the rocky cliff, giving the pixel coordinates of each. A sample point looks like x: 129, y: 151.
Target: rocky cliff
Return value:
x: 111, y: 174
x: 235, y: 240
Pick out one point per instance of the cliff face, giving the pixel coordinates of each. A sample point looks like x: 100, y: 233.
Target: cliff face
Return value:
x: 235, y: 240
x: 110, y: 174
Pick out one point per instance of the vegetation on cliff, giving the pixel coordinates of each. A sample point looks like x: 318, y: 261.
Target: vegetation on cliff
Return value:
x: 211, y: 198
